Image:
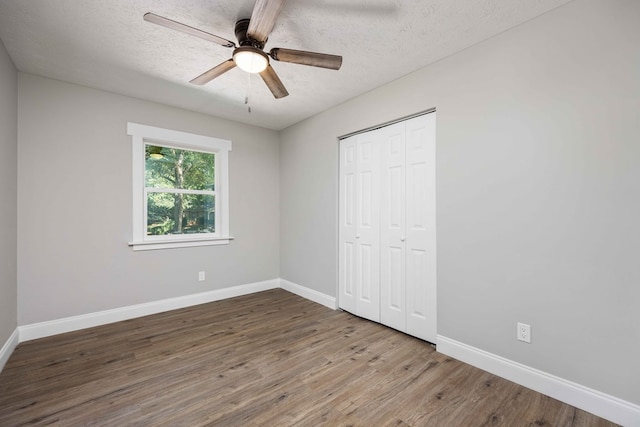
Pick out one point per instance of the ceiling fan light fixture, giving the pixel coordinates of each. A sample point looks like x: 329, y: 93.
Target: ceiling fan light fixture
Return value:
x: 250, y: 59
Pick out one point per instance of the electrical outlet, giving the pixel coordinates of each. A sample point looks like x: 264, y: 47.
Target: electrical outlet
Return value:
x: 524, y: 332
x: 201, y: 276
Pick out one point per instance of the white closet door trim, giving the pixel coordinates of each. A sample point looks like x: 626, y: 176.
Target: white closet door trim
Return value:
x: 390, y: 122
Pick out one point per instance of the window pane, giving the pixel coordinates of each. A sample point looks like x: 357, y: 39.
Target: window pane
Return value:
x: 174, y: 168
x: 173, y: 213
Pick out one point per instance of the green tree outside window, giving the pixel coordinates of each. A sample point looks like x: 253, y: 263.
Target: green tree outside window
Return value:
x: 180, y: 191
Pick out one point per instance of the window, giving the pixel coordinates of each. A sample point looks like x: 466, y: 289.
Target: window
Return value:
x: 180, y: 189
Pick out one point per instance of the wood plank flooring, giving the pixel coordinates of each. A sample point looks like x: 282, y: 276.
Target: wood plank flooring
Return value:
x: 266, y: 359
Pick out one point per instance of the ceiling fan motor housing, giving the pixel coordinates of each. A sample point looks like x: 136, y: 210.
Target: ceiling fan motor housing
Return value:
x: 241, y: 34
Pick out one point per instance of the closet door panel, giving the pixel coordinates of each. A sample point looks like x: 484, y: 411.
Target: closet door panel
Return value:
x: 347, y: 283
x: 417, y: 303
x: 420, y: 227
x: 392, y: 225
x: 367, y: 228
x: 392, y: 298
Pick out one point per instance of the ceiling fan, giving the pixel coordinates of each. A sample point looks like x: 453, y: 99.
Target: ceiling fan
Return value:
x: 249, y: 55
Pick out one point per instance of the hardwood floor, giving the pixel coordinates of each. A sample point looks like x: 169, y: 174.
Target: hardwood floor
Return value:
x: 267, y: 359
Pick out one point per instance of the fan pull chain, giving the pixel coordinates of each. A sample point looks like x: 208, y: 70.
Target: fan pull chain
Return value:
x: 246, y: 98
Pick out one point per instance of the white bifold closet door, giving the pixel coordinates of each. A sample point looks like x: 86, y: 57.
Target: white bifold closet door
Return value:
x: 389, y: 199
x: 360, y: 225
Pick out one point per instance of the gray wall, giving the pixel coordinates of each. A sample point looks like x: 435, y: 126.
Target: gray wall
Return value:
x: 8, y: 195
x: 74, y: 205
x: 538, y: 147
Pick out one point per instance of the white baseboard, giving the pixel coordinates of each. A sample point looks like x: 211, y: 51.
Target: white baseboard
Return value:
x: 593, y: 401
x: 83, y: 321
x: 309, y: 294
x: 8, y: 347
x: 74, y: 323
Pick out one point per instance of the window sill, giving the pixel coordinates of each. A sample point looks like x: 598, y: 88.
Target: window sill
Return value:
x: 179, y: 243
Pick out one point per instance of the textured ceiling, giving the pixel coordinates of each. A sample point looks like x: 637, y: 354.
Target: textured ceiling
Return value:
x: 107, y: 45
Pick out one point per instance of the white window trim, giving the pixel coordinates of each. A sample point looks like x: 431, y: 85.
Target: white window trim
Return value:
x: 143, y: 134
